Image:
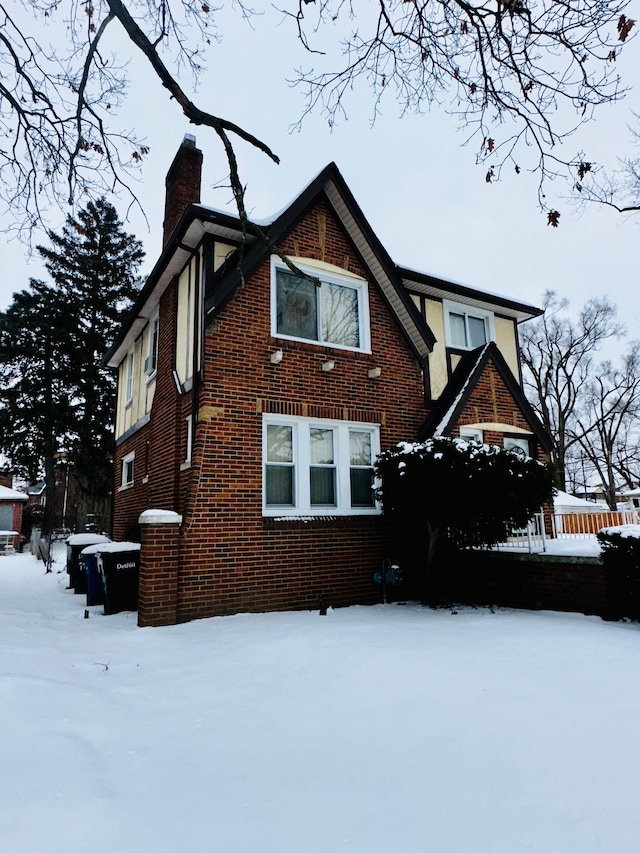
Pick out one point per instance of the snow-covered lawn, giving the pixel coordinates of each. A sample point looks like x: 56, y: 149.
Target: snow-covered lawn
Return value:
x: 391, y: 728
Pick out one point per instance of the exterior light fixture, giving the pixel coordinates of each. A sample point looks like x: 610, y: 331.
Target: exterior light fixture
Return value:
x: 375, y: 372
x: 276, y: 357
x: 328, y: 365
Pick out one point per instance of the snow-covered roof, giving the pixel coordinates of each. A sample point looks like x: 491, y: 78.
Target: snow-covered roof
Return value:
x: 7, y: 494
x: 563, y: 499
x: 444, y: 424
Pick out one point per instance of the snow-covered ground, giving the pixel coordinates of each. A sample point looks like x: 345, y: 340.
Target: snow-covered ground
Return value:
x: 390, y: 729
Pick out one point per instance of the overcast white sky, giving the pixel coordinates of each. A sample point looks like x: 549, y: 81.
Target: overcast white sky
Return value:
x: 420, y: 190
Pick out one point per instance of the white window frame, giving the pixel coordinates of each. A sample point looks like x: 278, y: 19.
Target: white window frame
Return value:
x: 513, y: 442
x: 151, y: 357
x: 127, y: 471
x: 302, y: 463
x: 189, y: 448
x: 128, y: 377
x: 472, y: 434
x: 329, y: 277
x: 467, y: 311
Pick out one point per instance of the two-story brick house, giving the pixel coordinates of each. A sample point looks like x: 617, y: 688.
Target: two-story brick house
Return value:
x: 252, y: 400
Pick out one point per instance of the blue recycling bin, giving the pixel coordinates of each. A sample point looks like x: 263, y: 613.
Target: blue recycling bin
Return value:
x: 95, y: 590
x: 75, y: 544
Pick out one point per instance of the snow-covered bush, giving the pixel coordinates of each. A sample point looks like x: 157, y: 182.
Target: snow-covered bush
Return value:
x: 458, y: 490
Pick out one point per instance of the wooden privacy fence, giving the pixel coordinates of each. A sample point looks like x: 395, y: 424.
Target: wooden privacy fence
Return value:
x: 572, y: 523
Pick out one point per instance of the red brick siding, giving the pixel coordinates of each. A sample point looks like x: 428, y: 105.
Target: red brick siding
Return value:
x: 157, y: 603
x: 159, y: 446
x: 129, y: 503
x: 492, y: 401
x: 17, y: 516
x: 231, y: 558
x: 529, y: 581
x: 182, y: 186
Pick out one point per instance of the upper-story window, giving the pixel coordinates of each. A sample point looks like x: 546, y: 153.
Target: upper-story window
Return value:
x: 151, y: 357
x: 467, y: 328
x: 330, y: 308
x: 128, y: 378
x: 189, y: 319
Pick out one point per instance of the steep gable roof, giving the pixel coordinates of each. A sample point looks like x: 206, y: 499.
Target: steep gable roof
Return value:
x: 330, y: 186
x: 198, y: 221
x: 465, y: 378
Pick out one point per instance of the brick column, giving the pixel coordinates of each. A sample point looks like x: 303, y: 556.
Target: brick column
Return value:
x: 159, y: 557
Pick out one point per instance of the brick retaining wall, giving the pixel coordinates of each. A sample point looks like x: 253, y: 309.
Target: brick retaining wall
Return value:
x: 529, y: 581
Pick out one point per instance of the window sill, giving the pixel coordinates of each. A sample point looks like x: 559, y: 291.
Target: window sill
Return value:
x: 125, y: 487
x: 326, y: 515
x: 185, y: 465
x: 309, y: 522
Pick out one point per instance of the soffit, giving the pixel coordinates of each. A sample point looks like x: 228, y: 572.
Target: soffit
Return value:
x: 439, y: 289
x: 169, y: 266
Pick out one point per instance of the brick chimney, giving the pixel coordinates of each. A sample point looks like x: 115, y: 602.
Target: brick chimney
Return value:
x: 182, y: 184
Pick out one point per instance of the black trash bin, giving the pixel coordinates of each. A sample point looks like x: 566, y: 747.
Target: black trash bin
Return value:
x: 95, y: 589
x: 75, y: 544
x: 119, y: 566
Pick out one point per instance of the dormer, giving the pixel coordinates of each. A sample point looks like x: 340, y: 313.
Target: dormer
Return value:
x: 462, y: 319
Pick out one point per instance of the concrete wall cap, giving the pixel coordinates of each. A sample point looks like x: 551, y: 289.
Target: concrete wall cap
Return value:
x: 160, y: 516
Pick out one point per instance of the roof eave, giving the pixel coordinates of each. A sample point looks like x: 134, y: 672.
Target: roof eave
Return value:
x: 441, y: 288
x: 195, y: 222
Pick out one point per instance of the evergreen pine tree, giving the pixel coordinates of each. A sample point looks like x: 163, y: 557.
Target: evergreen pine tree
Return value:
x: 34, y: 393
x: 57, y: 397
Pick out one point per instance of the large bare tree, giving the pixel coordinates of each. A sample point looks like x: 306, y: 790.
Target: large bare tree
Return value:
x: 506, y: 67
x: 618, y: 188
x: 557, y: 356
x: 607, y: 423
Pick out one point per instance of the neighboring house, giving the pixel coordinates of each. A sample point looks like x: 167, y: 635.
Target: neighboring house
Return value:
x: 12, y: 504
x: 252, y: 401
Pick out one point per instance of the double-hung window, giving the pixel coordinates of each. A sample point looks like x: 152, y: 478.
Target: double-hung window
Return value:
x: 330, y: 307
x: 467, y: 328
x: 319, y: 467
x: 128, y: 462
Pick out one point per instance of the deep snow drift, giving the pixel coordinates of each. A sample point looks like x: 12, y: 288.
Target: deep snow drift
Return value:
x: 392, y: 728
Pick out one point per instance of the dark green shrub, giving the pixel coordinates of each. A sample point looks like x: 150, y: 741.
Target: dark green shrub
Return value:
x: 458, y: 491
x: 621, y: 559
